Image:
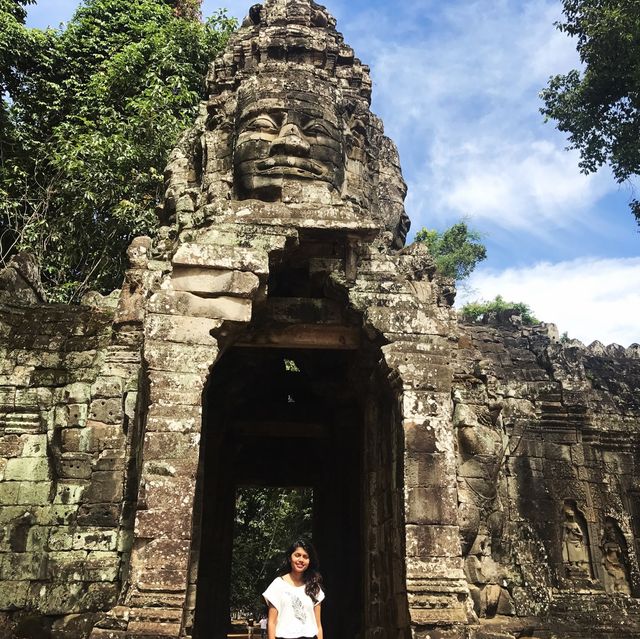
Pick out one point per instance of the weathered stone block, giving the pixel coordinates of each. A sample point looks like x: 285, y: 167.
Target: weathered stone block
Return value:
x: 27, y: 468
x: 74, y: 626
x: 166, y: 554
x: 214, y: 281
x: 174, y: 418
x: 107, y: 387
x: 420, y: 437
x: 235, y: 309
x: 433, y: 541
x: 437, y: 569
x: 9, y: 492
x: 429, y: 470
x: 75, y: 465
x: 103, y: 515
x: 105, y: 487
x: 179, y: 357
x: 34, y: 445
x: 61, y: 538
x: 37, y: 538
x: 101, y: 436
x: 418, y: 405
x: 56, y: 598
x: 108, y: 411
x: 23, y: 565
x: 171, y: 580
x: 169, y: 445
x: 66, y: 565
x: 11, y: 446
x: 432, y: 505
x: 184, y: 330
x: 13, y: 594
x: 223, y: 257
x: 73, y: 440
x: 168, y: 523
x: 154, y: 629
x: 181, y: 389
x: 110, y: 460
x: 101, y: 566
x: 34, y: 493
x: 95, y: 539
x: 69, y: 492
x: 71, y: 415
x: 178, y: 467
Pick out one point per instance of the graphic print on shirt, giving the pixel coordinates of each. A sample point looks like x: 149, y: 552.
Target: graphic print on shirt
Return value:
x: 298, y: 608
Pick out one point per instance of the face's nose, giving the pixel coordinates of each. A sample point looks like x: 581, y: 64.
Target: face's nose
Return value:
x: 290, y: 141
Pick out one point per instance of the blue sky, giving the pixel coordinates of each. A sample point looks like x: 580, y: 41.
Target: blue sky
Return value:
x: 456, y: 84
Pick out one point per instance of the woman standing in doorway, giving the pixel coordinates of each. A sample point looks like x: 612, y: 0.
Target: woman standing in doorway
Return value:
x: 294, y: 597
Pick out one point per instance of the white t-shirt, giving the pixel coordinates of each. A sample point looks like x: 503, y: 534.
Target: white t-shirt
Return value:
x: 296, y: 615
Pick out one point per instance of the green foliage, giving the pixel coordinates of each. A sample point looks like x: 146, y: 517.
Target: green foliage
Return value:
x: 94, y: 112
x: 599, y: 106
x: 267, y: 521
x: 481, y: 311
x: 456, y: 251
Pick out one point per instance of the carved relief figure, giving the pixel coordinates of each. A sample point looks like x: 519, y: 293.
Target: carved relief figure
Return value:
x: 614, y: 559
x: 285, y: 139
x: 488, y: 580
x: 480, y: 456
x: 575, y: 552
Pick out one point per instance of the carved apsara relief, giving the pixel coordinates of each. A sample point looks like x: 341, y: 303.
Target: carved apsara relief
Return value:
x: 575, y: 543
x: 615, y: 559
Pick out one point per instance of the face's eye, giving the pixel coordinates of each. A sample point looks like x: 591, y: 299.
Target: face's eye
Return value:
x: 262, y: 123
x: 317, y: 127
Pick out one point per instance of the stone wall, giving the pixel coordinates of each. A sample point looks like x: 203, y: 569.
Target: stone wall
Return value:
x: 68, y: 394
x: 548, y: 437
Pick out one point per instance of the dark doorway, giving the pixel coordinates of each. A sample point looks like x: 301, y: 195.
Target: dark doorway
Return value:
x: 283, y: 418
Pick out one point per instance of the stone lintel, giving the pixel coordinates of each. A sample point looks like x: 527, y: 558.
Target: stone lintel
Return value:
x: 304, y: 336
x: 339, y: 219
x: 290, y: 310
x: 235, y: 309
x: 223, y: 257
x: 207, y: 281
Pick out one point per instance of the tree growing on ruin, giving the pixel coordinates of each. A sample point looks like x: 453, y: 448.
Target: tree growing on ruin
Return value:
x: 93, y: 110
x: 599, y: 105
x: 483, y: 311
x: 456, y: 251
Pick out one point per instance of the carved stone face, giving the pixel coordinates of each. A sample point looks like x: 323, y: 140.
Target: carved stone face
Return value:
x: 284, y: 141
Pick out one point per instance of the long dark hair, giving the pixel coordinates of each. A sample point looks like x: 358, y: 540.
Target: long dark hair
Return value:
x: 311, y: 576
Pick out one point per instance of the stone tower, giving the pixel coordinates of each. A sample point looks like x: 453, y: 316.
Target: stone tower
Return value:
x: 470, y: 482
x: 283, y: 233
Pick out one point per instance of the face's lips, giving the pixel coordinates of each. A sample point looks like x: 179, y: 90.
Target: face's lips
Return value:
x: 290, y: 164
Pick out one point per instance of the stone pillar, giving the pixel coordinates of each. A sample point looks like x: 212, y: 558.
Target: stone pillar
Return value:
x: 416, y: 320
x: 209, y: 284
x: 436, y: 587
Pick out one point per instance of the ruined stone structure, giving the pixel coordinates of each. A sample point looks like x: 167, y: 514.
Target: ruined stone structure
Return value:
x: 469, y: 481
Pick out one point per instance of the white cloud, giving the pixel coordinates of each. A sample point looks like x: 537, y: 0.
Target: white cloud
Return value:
x: 590, y: 298
x: 460, y: 97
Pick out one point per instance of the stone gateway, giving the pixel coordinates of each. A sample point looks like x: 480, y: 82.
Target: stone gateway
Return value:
x: 469, y: 481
